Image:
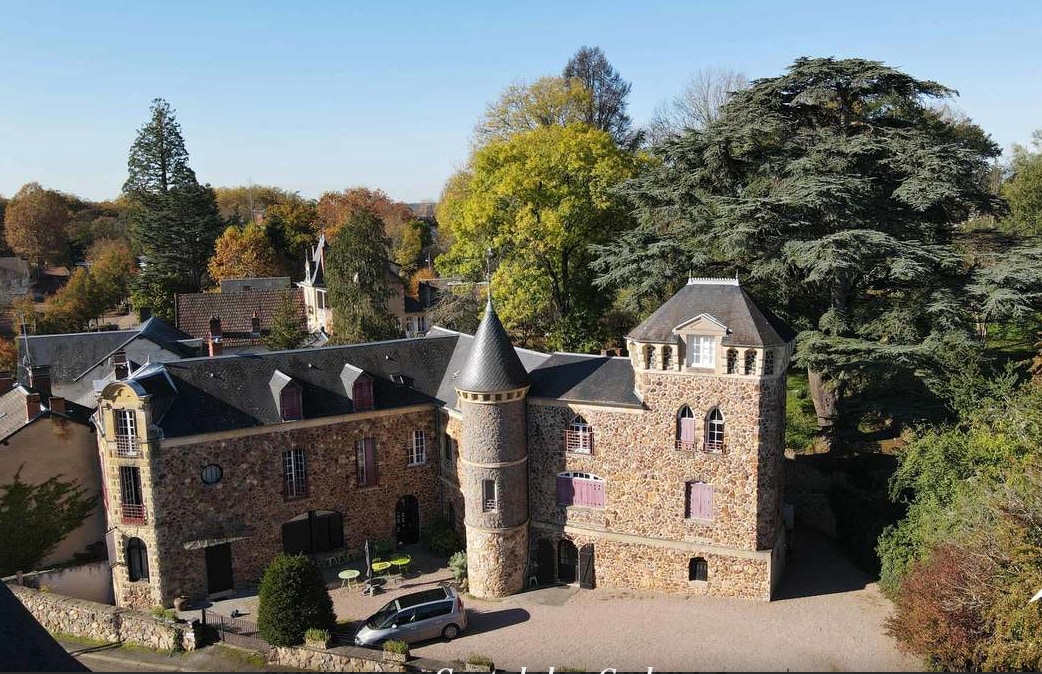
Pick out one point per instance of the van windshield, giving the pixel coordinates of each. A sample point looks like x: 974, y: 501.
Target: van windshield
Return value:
x: 382, y: 618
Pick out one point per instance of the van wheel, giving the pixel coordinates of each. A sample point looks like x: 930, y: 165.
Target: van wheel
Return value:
x: 450, y: 632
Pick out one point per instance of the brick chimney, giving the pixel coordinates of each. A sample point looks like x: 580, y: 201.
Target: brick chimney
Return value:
x: 215, y: 336
x: 57, y: 404
x: 255, y: 325
x: 6, y: 382
x: 40, y: 379
x: 120, y: 365
x: 32, y: 405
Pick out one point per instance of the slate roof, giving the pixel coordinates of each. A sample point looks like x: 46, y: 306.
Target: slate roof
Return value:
x: 727, y: 302
x: 493, y: 364
x: 229, y: 392
x: 12, y: 412
x: 583, y: 378
x: 70, y: 356
x: 447, y: 390
x: 235, y: 311
x: 245, y: 285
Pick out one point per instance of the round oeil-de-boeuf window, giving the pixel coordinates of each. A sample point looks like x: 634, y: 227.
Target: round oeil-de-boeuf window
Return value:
x: 212, y: 474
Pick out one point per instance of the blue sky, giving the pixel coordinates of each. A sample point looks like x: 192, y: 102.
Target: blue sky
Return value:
x: 315, y: 96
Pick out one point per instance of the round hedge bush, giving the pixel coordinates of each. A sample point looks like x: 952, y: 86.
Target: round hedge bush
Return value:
x: 293, y: 598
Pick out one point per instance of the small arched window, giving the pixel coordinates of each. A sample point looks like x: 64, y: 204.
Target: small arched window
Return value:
x: 750, y: 362
x: 667, y: 358
x: 697, y: 569
x: 137, y: 560
x: 768, y: 362
x: 686, y: 429
x: 715, y: 431
x: 732, y: 361
x: 579, y: 436
x: 649, y: 356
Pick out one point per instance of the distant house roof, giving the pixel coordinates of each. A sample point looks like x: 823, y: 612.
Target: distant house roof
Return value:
x: 725, y: 302
x: 236, y: 312
x: 493, y: 364
x: 13, y: 410
x: 237, y: 285
x: 584, y: 378
x: 71, y: 356
x: 426, y: 297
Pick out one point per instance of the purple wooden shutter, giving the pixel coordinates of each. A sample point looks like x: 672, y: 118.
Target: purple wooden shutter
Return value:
x: 565, y: 491
x: 687, y: 430
x: 370, y: 461
x: 597, y: 496
x: 707, y: 501
x: 582, y: 492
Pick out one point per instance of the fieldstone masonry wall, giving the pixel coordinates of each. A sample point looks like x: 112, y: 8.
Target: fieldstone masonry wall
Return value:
x: 101, y: 622
x: 496, y: 561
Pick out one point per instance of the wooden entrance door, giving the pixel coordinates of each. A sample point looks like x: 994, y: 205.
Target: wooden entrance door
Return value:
x: 407, y: 520
x: 219, y: 568
x: 587, y: 580
x: 567, y: 561
x: 544, y: 557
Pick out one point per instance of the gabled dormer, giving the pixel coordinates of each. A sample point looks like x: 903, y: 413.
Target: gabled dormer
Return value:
x: 711, y: 327
x: 288, y: 396
x: 358, y: 387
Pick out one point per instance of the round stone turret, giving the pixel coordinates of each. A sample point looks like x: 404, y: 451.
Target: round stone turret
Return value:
x: 494, y: 461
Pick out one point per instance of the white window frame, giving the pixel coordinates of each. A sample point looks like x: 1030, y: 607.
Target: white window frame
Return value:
x: 126, y: 433
x: 295, y: 472
x: 701, y: 351
x: 579, y: 436
x: 418, y: 449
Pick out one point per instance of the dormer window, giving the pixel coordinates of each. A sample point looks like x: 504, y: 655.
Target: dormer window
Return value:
x: 362, y: 394
x: 291, y: 403
x: 701, y: 351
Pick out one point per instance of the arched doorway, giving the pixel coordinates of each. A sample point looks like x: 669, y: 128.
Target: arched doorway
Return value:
x: 544, y: 559
x: 313, y: 531
x: 407, y: 520
x: 567, y: 561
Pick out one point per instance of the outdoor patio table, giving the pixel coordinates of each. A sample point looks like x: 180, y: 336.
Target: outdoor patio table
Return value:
x: 402, y: 562
x: 348, y: 576
x: 381, y: 567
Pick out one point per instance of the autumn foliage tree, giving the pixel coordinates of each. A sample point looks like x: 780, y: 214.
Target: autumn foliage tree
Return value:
x: 244, y: 252
x: 91, y: 290
x: 35, y: 224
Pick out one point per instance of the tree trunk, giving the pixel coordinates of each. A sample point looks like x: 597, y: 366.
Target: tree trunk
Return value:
x: 825, y: 394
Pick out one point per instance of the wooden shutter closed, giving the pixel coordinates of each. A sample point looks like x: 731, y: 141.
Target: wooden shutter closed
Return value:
x: 706, y: 498
x: 565, y: 490
x: 687, y: 430
x: 370, y: 461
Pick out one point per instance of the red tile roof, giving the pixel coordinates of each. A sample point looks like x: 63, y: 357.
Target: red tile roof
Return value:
x: 235, y: 311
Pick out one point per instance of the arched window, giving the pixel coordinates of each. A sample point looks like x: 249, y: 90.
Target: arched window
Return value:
x: 667, y: 358
x: 137, y: 560
x: 649, y: 356
x: 732, y: 361
x: 686, y: 429
x: 715, y: 431
x: 697, y: 569
x: 750, y: 362
x: 768, y: 362
x: 579, y: 436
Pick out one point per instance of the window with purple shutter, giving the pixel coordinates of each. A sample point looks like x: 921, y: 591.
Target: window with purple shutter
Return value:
x: 365, y: 461
x: 699, y: 501
x: 686, y: 429
x: 291, y: 402
x: 580, y: 489
x: 362, y: 394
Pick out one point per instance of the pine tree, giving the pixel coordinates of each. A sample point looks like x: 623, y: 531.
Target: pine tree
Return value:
x: 358, y: 277
x: 286, y: 329
x: 834, y: 191
x: 175, y: 219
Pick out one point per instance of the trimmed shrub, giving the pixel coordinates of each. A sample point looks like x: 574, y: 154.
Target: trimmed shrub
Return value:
x: 399, y: 647
x: 292, y: 598
x: 458, y: 565
x: 440, y: 538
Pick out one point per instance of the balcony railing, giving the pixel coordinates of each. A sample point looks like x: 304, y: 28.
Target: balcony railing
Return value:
x: 127, y: 446
x: 133, y: 513
x: 716, y: 446
x: 580, y: 442
x: 687, y: 445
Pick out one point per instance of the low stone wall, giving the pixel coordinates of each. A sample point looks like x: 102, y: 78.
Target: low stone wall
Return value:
x: 351, y: 659
x: 100, y: 622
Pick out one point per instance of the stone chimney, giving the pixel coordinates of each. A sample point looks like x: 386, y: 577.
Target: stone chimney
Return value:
x: 6, y: 382
x: 120, y: 365
x: 32, y: 406
x: 57, y: 404
x: 40, y: 379
x: 255, y: 325
x: 215, y: 336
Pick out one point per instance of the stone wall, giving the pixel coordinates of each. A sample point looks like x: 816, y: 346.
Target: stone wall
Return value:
x: 645, y: 476
x: 351, y: 659
x: 496, y: 561
x: 100, y: 622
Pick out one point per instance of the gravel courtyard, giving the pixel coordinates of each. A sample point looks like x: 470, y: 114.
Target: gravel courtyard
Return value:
x: 827, y: 617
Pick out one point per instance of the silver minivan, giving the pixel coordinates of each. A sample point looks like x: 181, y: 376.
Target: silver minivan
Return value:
x: 415, y: 617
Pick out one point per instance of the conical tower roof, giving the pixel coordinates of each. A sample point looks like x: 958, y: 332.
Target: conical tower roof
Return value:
x: 492, y: 364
